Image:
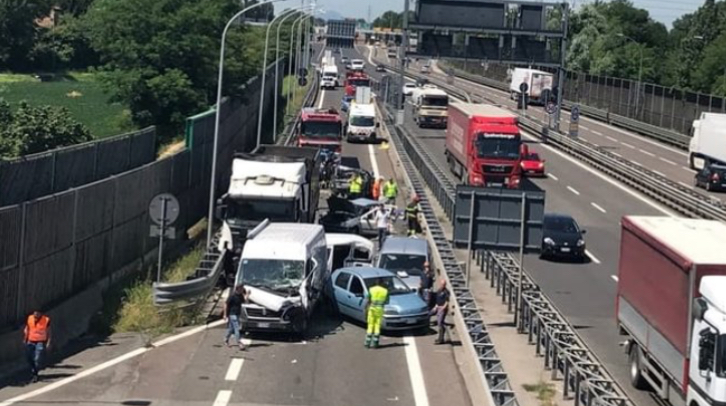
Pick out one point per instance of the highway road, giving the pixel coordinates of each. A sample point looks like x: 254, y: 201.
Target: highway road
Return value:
x: 330, y: 368
x: 584, y: 293
x: 666, y: 161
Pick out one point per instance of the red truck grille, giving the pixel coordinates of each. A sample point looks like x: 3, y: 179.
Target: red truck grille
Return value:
x: 497, y: 169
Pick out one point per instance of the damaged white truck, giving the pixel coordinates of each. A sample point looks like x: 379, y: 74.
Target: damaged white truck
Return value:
x: 284, y: 267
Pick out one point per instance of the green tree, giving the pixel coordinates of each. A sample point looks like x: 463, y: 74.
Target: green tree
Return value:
x: 710, y: 76
x: 17, y: 31
x: 32, y: 129
x: 389, y: 19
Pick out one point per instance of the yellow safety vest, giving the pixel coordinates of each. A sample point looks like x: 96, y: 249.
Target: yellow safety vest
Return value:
x: 356, y: 185
x: 378, y: 296
x: 390, y: 190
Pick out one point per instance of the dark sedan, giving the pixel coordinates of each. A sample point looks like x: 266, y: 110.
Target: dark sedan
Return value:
x: 562, y: 237
x: 712, y: 178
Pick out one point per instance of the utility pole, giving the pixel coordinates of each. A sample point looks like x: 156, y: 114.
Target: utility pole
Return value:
x: 402, y: 57
x: 563, y: 59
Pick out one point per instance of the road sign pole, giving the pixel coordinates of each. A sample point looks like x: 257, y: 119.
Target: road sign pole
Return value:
x: 471, y: 237
x: 518, y: 313
x: 161, y: 237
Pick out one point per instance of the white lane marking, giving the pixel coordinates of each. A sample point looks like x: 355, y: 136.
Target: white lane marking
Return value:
x: 573, y: 190
x: 597, y: 206
x: 666, y: 161
x: 235, y: 367
x: 685, y: 184
x: 627, y: 145
x: 552, y: 176
x: 638, y: 137
x: 646, y: 152
x: 107, y: 364
x: 322, y: 99
x: 611, y: 138
x: 605, y: 178
x: 374, y: 162
x: 688, y: 169
x: 597, y: 133
x: 584, y: 128
x: 223, y: 398
x: 659, y: 173
x: 592, y: 257
x: 418, y: 384
x: 615, y: 277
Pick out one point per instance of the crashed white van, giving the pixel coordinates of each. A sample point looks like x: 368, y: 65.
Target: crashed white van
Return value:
x: 284, y: 266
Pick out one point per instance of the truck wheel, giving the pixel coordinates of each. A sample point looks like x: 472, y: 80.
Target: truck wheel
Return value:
x: 636, y: 371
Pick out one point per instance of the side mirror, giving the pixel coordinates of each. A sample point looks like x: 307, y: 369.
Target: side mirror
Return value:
x: 378, y: 125
x: 220, y: 211
x: 699, y: 308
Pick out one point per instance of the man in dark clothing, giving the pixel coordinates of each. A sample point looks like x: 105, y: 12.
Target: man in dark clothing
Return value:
x: 440, y: 310
x: 232, y: 313
x: 427, y: 283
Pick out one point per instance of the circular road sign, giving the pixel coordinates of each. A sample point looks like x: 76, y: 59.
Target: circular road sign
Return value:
x: 302, y: 81
x: 156, y: 209
x: 524, y: 87
x: 551, y: 107
x: 575, y: 113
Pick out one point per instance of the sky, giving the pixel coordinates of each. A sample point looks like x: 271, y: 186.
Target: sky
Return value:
x: 665, y: 11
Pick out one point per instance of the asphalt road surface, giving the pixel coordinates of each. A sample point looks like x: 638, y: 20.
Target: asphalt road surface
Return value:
x: 584, y: 292
x: 330, y: 368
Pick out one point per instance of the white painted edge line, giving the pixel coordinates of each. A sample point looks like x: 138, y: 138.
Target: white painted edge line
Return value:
x: 666, y: 160
x: 597, y: 206
x: 615, y: 278
x: 222, y: 398
x: 616, y: 154
x: 108, y: 364
x: 646, y: 152
x: 618, y: 185
x: 685, y: 184
x: 593, y: 258
x: 374, y: 161
x: 637, y: 163
x: 322, y: 99
x: 552, y: 176
x: 418, y: 385
x: 573, y: 190
x: 235, y: 367
x: 688, y: 169
x: 658, y: 173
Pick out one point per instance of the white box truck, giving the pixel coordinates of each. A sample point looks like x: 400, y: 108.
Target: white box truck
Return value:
x: 537, y: 82
x: 708, y: 141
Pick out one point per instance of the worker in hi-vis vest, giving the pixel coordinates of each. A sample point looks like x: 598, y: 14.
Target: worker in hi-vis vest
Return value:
x: 376, y: 299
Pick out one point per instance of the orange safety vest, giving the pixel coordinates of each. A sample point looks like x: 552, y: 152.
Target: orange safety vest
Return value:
x: 37, y: 329
x: 376, y: 189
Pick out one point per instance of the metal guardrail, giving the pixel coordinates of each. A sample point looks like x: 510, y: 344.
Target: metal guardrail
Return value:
x: 673, y: 195
x: 584, y: 376
x: 496, y: 378
x: 197, y: 287
x: 661, y: 134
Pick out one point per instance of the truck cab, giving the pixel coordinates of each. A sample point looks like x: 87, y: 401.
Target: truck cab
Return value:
x: 362, y: 122
x: 329, y: 78
x: 430, y: 107
x: 320, y: 128
x: 708, y: 141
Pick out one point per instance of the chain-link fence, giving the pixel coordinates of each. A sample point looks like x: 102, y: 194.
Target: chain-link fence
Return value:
x: 664, y: 107
x: 55, y: 246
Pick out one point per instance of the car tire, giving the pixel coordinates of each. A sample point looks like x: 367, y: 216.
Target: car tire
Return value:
x: 636, y: 370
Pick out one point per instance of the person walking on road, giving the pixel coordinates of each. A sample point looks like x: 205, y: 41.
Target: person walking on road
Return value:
x: 390, y: 191
x: 37, y: 341
x: 383, y: 218
x: 412, y: 211
x: 427, y: 284
x: 440, y: 309
x: 356, y: 187
x: 376, y: 189
x: 376, y: 299
x: 232, y: 314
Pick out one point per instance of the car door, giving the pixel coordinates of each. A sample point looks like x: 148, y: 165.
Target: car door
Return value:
x: 340, y: 291
x: 356, y: 295
x: 368, y: 222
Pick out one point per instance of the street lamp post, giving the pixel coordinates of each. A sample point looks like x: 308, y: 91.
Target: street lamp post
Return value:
x: 640, y: 72
x: 298, y: 56
x: 210, y: 217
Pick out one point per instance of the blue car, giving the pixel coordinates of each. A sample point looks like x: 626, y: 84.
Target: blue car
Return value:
x: 405, y: 309
x: 345, y: 103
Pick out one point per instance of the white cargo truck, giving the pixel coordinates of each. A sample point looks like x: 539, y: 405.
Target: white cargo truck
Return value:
x: 708, y: 141
x: 539, y: 83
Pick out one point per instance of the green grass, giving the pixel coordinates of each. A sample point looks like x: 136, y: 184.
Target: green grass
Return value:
x: 80, y: 93
x: 545, y: 392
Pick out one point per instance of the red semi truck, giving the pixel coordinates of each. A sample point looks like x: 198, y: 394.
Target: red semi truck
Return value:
x: 671, y: 303
x: 483, y: 145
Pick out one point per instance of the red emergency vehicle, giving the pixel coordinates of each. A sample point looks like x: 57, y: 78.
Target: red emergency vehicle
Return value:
x: 322, y: 128
x: 354, y: 79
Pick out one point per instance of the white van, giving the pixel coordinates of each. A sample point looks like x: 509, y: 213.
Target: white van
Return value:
x: 329, y: 78
x: 362, y: 122
x: 284, y: 267
x: 346, y: 250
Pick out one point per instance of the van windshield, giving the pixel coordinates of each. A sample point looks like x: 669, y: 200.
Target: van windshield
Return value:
x: 273, y: 274
x: 436, y: 101
x: 321, y: 129
x: 498, y: 146
x: 362, y: 121
x: 411, y: 264
x: 332, y: 75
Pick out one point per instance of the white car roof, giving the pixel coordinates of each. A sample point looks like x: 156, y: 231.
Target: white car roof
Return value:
x: 265, y: 179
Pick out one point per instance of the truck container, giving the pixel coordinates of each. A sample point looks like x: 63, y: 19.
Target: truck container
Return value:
x: 340, y: 33
x: 539, y: 84
x: 671, y: 304
x: 483, y: 145
x: 708, y: 141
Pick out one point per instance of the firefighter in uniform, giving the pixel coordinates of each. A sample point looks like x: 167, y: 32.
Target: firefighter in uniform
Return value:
x: 390, y: 191
x: 356, y: 187
x: 37, y: 340
x: 412, y: 211
x: 376, y: 299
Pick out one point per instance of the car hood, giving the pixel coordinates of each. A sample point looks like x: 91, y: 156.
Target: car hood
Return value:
x: 408, y: 303
x: 562, y: 238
